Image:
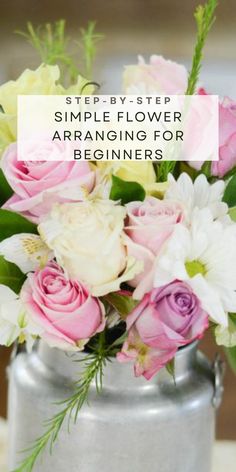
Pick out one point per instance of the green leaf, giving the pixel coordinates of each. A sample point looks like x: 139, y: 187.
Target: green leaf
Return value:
x: 231, y: 356
x: 185, y: 167
x: 5, y: 189
x: 164, y: 168
x: 123, y: 304
x: 232, y: 213
x: 119, y: 341
x: 11, y: 275
x: 230, y: 192
x: 206, y: 169
x: 13, y: 223
x: 230, y: 173
x: 170, y: 367
x: 126, y: 191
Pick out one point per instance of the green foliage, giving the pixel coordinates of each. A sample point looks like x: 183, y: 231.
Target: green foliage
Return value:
x: 205, y: 17
x: 5, y: 189
x: 94, y: 364
x: 206, y: 169
x: 170, y: 367
x: 231, y: 356
x: 13, y: 223
x: 89, y: 40
x: 126, y: 191
x: 123, y: 304
x: 52, y: 43
x: 11, y: 275
x: 230, y: 192
x: 163, y: 169
x: 232, y: 213
x: 230, y: 174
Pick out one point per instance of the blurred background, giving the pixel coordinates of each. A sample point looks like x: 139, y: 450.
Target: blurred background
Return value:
x: 130, y: 28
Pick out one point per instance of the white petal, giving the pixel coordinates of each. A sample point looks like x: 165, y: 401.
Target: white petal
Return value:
x: 8, y: 333
x: 6, y: 294
x: 133, y: 268
x: 209, y: 299
x: 226, y: 336
x: 27, y: 251
x: 9, y: 310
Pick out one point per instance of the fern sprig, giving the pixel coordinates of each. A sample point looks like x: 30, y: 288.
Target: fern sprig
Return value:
x: 94, y: 364
x: 205, y: 18
x: 90, y: 39
x: 51, y: 43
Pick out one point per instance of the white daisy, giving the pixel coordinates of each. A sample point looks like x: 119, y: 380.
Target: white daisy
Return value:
x: 204, y: 255
x: 198, y: 194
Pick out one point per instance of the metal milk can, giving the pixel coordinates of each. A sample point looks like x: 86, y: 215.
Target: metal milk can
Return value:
x: 132, y: 426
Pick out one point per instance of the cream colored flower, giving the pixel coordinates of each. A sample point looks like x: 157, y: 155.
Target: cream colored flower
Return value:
x: 140, y: 172
x: 42, y: 81
x: 7, y: 131
x: 87, y: 240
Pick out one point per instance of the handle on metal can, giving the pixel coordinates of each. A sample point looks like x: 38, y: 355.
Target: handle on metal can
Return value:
x: 219, y: 373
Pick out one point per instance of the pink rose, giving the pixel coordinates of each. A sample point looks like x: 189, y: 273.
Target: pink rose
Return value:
x: 149, y: 224
x: 227, y: 139
x: 37, y: 185
x: 159, y: 76
x: 62, y: 308
x: 166, y: 319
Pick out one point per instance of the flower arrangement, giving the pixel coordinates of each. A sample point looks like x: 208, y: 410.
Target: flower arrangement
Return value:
x: 133, y: 260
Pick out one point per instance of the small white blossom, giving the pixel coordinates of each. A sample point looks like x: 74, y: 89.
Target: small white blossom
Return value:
x: 14, y: 322
x: 27, y: 251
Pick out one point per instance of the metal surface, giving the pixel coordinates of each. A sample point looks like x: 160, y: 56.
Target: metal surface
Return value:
x: 219, y: 370
x: 133, y: 426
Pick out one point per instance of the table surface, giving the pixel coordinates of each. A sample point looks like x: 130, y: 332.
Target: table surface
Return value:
x: 224, y: 452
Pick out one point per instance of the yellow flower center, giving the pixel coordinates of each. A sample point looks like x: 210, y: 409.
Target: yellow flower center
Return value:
x: 195, y: 267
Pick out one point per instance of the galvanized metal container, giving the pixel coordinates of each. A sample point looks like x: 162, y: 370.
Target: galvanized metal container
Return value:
x: 134, y: 425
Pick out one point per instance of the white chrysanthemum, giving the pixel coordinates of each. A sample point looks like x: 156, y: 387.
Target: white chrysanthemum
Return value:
x: 204, y: 256
x: 14, y: 322
x: 198, y: 194
x: 27, y: 251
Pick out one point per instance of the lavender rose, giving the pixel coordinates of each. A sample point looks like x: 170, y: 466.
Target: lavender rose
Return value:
x: 166, y: 318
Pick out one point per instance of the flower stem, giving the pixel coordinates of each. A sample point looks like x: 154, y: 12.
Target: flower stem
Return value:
x: 93, y: 371
x: 205, y: 18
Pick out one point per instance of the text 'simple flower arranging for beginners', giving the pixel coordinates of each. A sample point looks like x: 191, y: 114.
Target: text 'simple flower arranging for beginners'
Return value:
x: 144, y: 251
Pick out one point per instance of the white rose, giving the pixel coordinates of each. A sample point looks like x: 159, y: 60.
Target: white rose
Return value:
x: 87, y: 240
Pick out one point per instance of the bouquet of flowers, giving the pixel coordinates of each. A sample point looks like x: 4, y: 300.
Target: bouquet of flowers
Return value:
x: 132, y: 260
